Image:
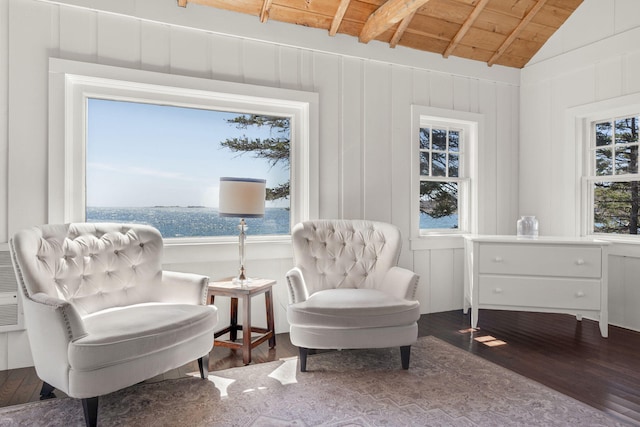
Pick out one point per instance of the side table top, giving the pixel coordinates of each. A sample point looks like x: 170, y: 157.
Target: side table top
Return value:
x: 228, y: 286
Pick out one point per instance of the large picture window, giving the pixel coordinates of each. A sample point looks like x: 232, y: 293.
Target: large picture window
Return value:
x: 138, y: 146
x: 173, y: 159
x: 613, y: 180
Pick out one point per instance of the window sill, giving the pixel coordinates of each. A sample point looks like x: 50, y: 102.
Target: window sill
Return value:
x: 209, y: 250
x: 437, y: 241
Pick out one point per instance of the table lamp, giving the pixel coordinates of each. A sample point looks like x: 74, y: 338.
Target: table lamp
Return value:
x: 243, y: 198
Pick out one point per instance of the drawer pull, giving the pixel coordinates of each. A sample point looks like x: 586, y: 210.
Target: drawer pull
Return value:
x: 497, y: 259
x: 497, y: 290
x: 579, y: 261
x: 579, y: 294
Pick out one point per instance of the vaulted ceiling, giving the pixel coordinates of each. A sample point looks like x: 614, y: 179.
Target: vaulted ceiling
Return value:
x: 504, y: 32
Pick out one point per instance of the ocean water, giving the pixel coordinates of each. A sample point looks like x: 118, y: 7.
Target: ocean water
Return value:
x: 193, y: 221
x: 200, y: 221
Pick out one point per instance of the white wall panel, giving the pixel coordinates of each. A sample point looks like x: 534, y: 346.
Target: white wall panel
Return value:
x: 78, y: 34
x: 260, y: 63
x: 422, y: 267
x: 226, y: 58
x: 327, y: 81
x: 118, y: 41
x: 352, y: 177
x: 488, y: 163
x: 608, y: 78
x: 190, y: 52
x: 155, y: 52
x: 4, y: 120
x: 377, y: 142
x: 401, y: 156
x: 30, y: 43
x: 600, y: 60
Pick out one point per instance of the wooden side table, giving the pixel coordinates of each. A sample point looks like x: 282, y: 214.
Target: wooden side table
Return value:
x: 227, y: 288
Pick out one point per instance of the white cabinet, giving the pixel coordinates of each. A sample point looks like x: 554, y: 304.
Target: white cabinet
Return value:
x: 545, y: 274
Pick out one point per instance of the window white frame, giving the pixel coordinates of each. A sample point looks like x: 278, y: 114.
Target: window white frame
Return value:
x: 71, y: 83
x: 472, y: 125
x: 579, y: 120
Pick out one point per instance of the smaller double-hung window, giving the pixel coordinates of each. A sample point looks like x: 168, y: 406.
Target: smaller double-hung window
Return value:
x: 441, y: 158
x: 613, y: 181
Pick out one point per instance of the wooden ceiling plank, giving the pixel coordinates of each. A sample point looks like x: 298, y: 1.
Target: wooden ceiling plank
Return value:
x: 182, y: 3
x: 465, y: 27
x: 401, y: 29
x: 514, y: 34
x: 337, y: 18
x: 390, y: 13
x: 264, y: 13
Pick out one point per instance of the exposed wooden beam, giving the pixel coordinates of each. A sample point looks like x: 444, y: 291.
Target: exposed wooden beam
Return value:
x: 465, y: 27
x: 401, y: 29
x: 182, y: 3
x: 264, y: 13
x: 337, y: 18
x: 390, y: 13
x: 514, y: 34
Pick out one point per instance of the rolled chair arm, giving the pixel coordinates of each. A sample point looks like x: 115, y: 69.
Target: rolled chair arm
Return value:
x: 400, y: 282
x: 297, y: 287
x: 186, y: 288
x: 50, y: 311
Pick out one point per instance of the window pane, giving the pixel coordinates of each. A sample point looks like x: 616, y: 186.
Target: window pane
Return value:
x: 454, y: 140
x: 626, y: 159
x: 627, y: 130
x: 616, y: 206
x: 454, y: 162
x: 424, y: 138
x: 438, y: 205
x: 438, y: 164
x: 604, y: 162
x: 424, y: 163
x: 603, y: 134
x: 439, y: 139
x: 161, y: 165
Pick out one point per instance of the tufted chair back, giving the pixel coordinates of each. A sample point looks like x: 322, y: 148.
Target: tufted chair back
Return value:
x: 93, y: 266
x: 345, y: 253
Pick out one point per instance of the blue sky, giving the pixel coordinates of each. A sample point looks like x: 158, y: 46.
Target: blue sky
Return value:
x: 152, y: 155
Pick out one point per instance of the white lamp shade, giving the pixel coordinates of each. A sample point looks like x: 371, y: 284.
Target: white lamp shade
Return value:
x: 242, y: 197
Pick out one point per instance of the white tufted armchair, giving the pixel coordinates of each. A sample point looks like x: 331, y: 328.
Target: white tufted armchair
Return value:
x: 101, y: 314
x: 346, y: 291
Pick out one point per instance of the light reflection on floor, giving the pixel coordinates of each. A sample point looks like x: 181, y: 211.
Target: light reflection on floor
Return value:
x: 285, y: 373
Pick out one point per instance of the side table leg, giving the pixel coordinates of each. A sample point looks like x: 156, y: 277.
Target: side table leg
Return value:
x: 233, y: 331
x: 246, y: 329
x: 270, y: 323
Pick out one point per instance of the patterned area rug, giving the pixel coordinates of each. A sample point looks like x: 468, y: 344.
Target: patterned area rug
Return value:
x: 445, y: 386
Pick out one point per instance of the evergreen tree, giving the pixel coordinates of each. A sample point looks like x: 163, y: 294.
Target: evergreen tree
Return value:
x: 275, y: 149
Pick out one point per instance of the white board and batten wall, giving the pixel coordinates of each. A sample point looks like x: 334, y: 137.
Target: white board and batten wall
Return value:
x: 593, y: 60
x: 365, y: 92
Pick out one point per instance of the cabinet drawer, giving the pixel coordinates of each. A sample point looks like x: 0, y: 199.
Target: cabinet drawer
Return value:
x: 535, y: 292
x: 540, y: 260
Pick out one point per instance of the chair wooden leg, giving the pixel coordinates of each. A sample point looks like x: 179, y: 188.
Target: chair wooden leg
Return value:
x: 303, y: 359
x: 203, y: 365
x: 405, y: 354
x: 46, y: 392
x: 90, y: 408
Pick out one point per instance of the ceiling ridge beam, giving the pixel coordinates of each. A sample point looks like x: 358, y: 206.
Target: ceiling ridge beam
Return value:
x: 466, y: 25
x: 337, y: 18
x: 401, y: 29
x: 390, y: 13
x: 514, y: 34
x: 264, y: 13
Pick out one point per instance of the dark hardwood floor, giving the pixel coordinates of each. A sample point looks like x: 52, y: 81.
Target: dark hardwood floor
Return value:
x: 552, y: 349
